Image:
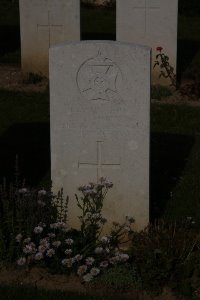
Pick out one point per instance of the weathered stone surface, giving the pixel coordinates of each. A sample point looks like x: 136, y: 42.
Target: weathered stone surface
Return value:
x: 100, y: 110
x: 42, y: 24
x: 152, y: 23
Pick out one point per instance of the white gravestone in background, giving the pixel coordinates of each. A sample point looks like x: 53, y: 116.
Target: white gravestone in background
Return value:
x: 152, y: 23
x: 100, y: 110
x: 42, y: 24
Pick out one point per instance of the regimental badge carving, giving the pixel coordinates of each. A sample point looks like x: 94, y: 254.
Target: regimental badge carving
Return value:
x: 98, y: 78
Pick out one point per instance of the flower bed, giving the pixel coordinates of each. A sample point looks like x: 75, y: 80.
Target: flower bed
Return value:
x: 42, y: 247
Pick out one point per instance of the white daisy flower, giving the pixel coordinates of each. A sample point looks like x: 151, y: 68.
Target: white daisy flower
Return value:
x: 87, y: 277
x: 94, y: 271
x: 89, y: 261
x: 38, y: 256
x: 21, y: 261
x: 42, y: 192
x: 38, y: 229
x: 69, y: 242
x: 98, y: 250
x: 81, y: 270
x: 18, y: 238
x: 104, y: 264
x: 56, y: 244
x: 50, y: 252
x: 78, y: 257
x: 68, y: 251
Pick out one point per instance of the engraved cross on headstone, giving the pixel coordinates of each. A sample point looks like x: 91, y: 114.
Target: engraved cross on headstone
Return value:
x: 146, y: 6
x: 99, y: 165
x: 49, y: 27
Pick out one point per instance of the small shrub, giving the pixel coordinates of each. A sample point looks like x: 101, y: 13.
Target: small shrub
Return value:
x: 160, y: 250
x: 191, y: 90
x: 120, y: 278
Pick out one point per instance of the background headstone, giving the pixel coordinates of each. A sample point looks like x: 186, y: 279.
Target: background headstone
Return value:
x: 152, y: 23
x: 100, y: 110
x: 42, y: 24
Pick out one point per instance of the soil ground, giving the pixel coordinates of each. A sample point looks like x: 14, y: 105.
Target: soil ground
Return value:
x: 12, y: 78
x: 40, y: 278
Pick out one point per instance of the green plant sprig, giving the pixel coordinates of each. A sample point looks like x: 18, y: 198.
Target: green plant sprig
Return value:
x: 166, y: 70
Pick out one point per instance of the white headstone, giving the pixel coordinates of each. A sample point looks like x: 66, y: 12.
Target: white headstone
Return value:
x: 149, y: 22
x: 100, y: 110
x: 42, y: 24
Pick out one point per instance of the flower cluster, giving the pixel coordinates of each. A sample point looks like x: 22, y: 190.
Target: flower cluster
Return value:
x: 93, y: 267
x: 87, y: 252
x: 42, y: 248
x: 93, y: 188
x: 42, y: 245
x: 60, y: 225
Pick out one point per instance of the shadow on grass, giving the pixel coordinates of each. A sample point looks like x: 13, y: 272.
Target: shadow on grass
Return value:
x: 98, y: 36
x: 186, y: 51
x: 14, y: 292
x: 10, y: 39
x: 169, y: 153
x: 98, y: 23
x: 31, y: 142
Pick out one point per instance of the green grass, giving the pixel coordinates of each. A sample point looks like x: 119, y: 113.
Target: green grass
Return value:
x: 175, y: 119
x: 30, y: 293
x: 185, y: 198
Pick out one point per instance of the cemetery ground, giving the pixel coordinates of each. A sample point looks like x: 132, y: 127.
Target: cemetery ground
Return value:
x: 175, y: 179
